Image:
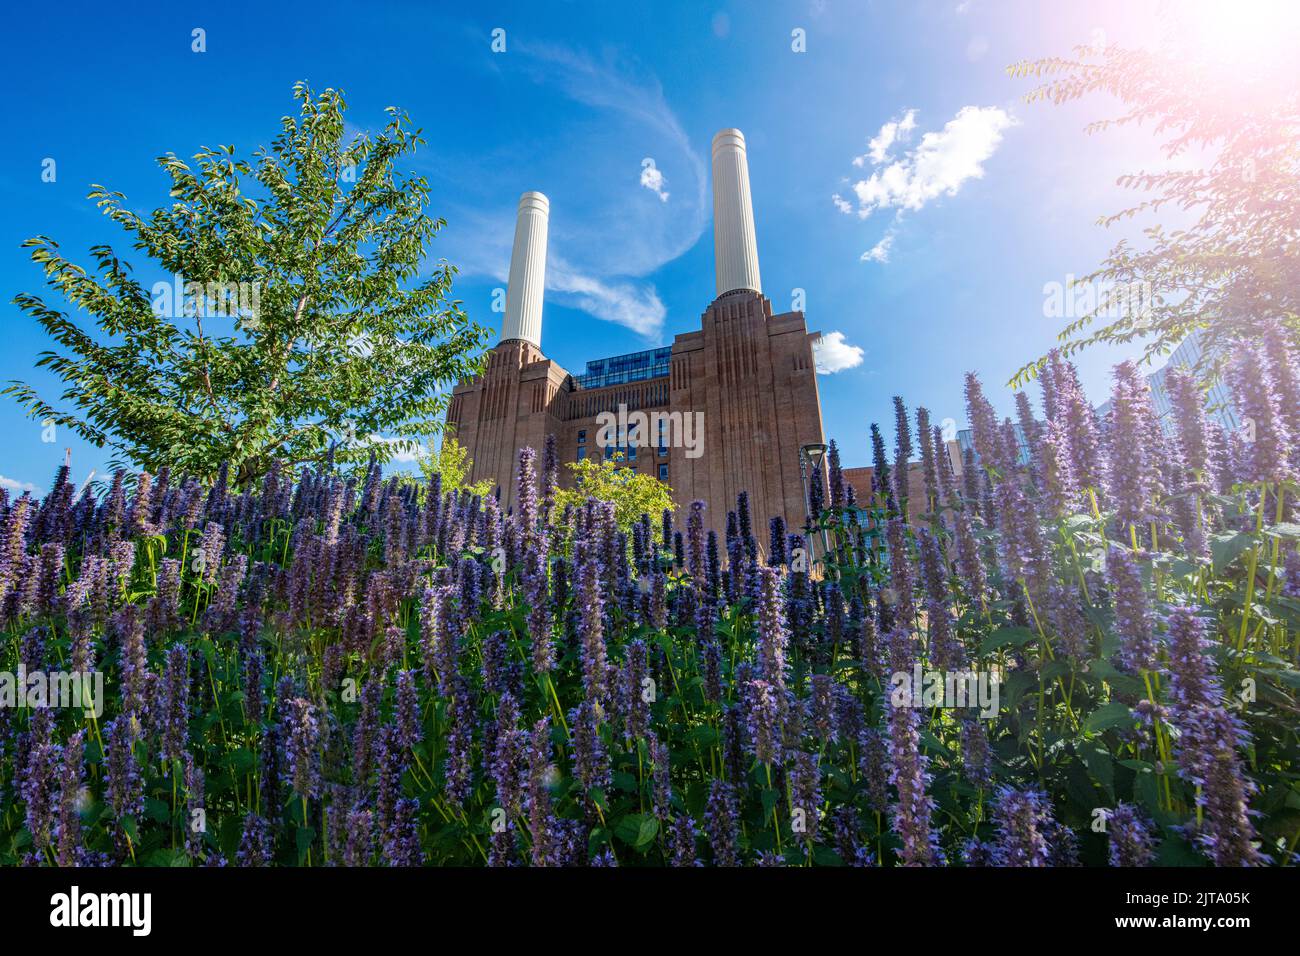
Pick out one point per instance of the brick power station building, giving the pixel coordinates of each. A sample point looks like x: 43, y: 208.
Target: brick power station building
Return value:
x: 728, y: 406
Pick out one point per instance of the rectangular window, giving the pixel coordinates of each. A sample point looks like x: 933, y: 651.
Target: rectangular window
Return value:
x: 582, y: 453
x: 582, y: 436
x: 631, y: 452
x: 663, y: 472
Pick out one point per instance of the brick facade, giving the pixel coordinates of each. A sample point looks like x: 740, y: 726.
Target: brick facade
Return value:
x: 749, y: 372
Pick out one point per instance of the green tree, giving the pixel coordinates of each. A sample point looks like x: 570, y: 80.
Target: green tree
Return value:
x: 1236, y: 127
x: 632, y: 493
x: 305, y: 322
x: 452, y: 461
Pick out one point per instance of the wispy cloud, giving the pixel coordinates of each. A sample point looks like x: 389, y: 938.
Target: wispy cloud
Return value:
x: 939, y: 165
x: 880, y: 251
x: 635, y: 305
x: 832, y: 354
x: 18, y: 487
x: 607, y: 234
x: 878, y: 146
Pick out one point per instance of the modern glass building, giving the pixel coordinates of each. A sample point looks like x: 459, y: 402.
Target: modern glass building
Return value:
x: 621, y: 369
x: 1218, y: 403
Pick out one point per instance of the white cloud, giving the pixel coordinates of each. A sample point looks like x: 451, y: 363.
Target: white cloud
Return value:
x: 652, y: 178
x: 842, y: 204
x: 895, y: 131
x: 832, y: 354
x: 408, y: 450
x: 939, y: 165
x: 18, y: 487
x: 625, y: 303
x: 880, y: 251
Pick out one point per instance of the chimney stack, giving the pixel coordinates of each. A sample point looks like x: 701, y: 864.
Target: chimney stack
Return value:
x: 735, y: 250
x: 527, y: 271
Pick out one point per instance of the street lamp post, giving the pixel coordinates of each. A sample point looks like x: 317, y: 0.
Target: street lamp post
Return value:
x: 810, y: 458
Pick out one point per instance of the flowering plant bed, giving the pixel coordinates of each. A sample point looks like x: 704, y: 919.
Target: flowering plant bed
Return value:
x: 313, y: 670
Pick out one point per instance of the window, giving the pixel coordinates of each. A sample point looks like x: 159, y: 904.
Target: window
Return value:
x: 582, y: 453
x: 663, y: 445
x: 663, y: 472
x: 631, y: 452
x: 582, y: 436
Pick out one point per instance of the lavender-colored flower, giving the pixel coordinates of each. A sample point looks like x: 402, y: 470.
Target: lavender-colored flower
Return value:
x: 1079, y: 424
x: 873, y: 768
x: 902, y: 453
x: 805, y: 794
x: 776, y: 553
x: 459, y: 770
x: 402, y: 837
x: 1189, y: 421
x: 1131, y: 843
x: 496, y: 665
x: 409, y: 730
x: 195, y: 810
x: 255, y: 846
x: 1209, y: 737
x: 539, y: 610
x: 541, y: 821
x: 174, y: 713
x: 763, y: 724
x: 1268, y: 450
x: 695, y: 543
x: 772, y: 635
x: 661, y: 776
x: 901, y: 577
x: 1055, y: 473
x: 1129, y: 482
x: 721, y: 825
x: 123, y: 786
x: 1022, y: 818
x: 1284, y: 375
x: 36, y: 783
x: 682, y: 836
x: 976, y: 756
x: 912, y: 812
x: 978, y: 853
x: 1193, y: 685
x: 822, y: 707
x: 984, y: 426
x: 360, y: 841
x: 1132, y: 612
x: 590, y: 756
x: 591, y: 626
x: 302, y: 746
x: 507, y: 755
x: 636, y: 708
x: 72, y: 795
x: 1227, y: 835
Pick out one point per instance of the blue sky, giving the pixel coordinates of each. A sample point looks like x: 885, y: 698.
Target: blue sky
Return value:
x: 979, y: 201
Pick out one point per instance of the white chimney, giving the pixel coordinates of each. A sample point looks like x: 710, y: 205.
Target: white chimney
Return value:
x: 735, y: 250
x: 527, y: 271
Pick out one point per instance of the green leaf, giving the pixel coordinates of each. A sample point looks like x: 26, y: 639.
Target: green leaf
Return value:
x: 637, y: 829
x: 1108, y: 715
x: 1100, y: 764
x: 1226, y: 548
x: 1006, y: 637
